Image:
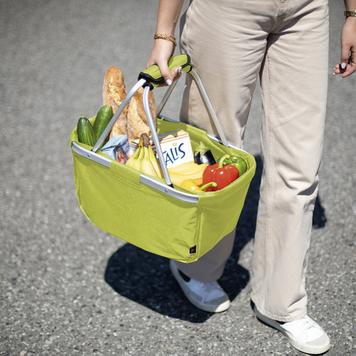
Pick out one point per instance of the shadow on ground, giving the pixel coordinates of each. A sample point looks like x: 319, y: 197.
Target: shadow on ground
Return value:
x: 145, y: 278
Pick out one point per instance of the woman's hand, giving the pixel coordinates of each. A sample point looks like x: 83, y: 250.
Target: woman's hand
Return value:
x: 167, y: 17
x: 160, y: 55
x: 348, y: 49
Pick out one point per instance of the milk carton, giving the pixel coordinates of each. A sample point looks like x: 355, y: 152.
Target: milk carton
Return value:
x: 177, y: 149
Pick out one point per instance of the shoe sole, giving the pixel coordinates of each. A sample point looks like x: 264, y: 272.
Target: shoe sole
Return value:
x: 300, y: 347
x: 206, y: 307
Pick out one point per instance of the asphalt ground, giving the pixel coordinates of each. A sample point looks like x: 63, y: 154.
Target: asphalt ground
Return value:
x: 67, y: 288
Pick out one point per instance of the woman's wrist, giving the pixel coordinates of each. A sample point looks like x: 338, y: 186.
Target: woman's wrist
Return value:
x: 350, y: 19
x: 168, y: 30
x: 165, y: 37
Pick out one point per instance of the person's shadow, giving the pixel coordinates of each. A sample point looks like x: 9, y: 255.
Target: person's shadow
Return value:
x: 145, y: 278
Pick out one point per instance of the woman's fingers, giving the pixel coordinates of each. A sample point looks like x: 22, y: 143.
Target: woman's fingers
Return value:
x: 345, y: 54
x: 351, y: 68
x: 166, y: 74
x: 177, y: 72
x: 347, y: 64
x: 336, y: 69
x: 169, y: 75
x: 350, y: 62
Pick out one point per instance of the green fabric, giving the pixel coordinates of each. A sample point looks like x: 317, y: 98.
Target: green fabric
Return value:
x: 114, y: 200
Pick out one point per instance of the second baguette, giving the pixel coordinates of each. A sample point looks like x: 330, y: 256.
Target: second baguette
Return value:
x: 114, y: 92
x: 136, y: 118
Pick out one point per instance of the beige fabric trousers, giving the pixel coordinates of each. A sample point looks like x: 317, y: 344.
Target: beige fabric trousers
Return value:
x: 285, y: 42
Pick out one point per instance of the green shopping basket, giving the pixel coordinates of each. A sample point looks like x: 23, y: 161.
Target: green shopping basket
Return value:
x: 151, y: 213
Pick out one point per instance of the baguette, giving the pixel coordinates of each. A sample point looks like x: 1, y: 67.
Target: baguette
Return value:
x: 136, y: 118
x: 114, y: 92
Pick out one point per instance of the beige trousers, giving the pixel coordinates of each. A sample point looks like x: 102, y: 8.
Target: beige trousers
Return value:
x: 285, y: 42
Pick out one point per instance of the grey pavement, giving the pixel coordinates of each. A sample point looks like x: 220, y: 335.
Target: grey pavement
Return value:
x: 67, y: 288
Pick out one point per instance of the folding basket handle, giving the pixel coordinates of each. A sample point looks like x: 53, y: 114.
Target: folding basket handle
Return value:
x: 150, y: 78
x: 151, y: 124
x: 207, y: 102
x: 155, y: 138
x: 153, y: 75
x: 117, y: 114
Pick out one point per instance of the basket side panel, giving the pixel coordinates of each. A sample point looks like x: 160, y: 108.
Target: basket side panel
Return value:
x: 120, y: 205
x: 219, y: 216
x: 220, y: 210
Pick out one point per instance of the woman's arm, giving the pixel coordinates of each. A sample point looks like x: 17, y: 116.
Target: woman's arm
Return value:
x: 168, y: 15
x: 348, y: 43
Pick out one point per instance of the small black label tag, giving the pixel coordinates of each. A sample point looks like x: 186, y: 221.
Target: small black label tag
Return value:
x: 193, y: 249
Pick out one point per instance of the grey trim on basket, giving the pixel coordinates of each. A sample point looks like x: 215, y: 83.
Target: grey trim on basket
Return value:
x: 151, y: 182
x: 90, y: 155
x: 164, y: 188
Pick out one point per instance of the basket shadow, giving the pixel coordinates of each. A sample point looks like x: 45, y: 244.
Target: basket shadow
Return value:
x: 145, y: 278
x: 245, y: 232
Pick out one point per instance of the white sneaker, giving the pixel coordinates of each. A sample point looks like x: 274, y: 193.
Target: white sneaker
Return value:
x: 207, y: 296
x: 305, y: 334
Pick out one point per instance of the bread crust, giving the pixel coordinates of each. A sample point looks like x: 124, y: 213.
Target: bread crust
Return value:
x: 136, y: 118
x: 132, y: 121
x: 114, y: 92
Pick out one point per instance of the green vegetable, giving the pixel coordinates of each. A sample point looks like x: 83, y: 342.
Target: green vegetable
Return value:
x: 102, y: 119
x: 239, y: 163
x: 85, y: 132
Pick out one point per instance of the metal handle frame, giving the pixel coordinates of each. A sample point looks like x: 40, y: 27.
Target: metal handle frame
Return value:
x: 155, y: 138
x: 125, y: 102
x: 117, y: 114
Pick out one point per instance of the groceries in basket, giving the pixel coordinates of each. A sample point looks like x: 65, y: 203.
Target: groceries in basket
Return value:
x: 112, y: 194
x: 222, y: 173
x: 85, y: 132
x: 132, y: 121
x: 88, y: 133
x: 117, y: 148
x: 176, y: 148
x: 130, y: 142
x: 186, y: 171
x: 144, y: 159
x: 203, y: 155
x: 199, y: 178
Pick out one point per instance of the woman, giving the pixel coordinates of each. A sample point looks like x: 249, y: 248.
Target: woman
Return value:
x: 285, y: 42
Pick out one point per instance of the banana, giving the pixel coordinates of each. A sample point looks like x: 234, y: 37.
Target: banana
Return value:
x: 131, y: 160
x: 145, y: 161
x: 154, y: 161
x: 146, y: 166
x: 139, y: 159
x: 179, y: 178
x: 135, y: 160
x: 188, y: 168
x: 184, y: 171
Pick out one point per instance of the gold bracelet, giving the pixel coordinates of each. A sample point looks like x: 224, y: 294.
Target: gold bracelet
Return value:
x: 164, y: 36
x: 351, y: 13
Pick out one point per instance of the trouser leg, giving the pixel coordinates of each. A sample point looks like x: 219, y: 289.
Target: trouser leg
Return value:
x: 294, y: 89
x: 228, y: 59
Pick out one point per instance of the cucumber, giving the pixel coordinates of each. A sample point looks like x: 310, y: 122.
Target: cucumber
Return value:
x: 102, y: 119
x: 85, y: 132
